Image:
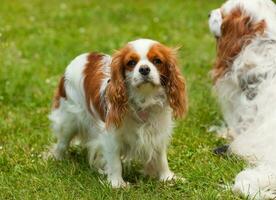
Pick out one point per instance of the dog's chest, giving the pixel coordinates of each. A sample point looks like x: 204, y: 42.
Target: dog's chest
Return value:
x: 145, y: 135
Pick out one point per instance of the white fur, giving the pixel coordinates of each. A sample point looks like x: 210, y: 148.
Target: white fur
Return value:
x: 145, y: 141
x: 215, y: 22
x: 137, y: 79
x: 247, y: 94
x: 142, y: 47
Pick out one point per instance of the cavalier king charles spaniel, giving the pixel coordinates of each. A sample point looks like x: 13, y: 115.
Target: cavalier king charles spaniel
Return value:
x: 245, y: 82
x: 121, y: 108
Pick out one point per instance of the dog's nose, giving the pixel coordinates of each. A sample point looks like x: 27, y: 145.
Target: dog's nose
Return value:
x: 144, y: 70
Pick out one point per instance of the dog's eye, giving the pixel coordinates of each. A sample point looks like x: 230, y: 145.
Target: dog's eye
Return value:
x: 131, y: 63
x: 157, y: 61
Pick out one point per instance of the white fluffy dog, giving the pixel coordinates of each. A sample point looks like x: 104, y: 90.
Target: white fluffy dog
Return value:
x: 245, y: 82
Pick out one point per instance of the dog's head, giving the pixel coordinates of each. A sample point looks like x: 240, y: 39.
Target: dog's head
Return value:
x: 235, y: 25
x: 143, y: 67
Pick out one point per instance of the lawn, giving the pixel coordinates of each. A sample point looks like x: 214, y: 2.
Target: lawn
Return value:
x: 37, y: 41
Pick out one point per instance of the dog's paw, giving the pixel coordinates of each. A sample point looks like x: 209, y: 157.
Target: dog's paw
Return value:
x: 50, y: 155
x: 58, y: 155
x: 53, y: 153
x: 46, y: 155
x: 248, y: 190
x: 168, y: 176
x: 118, y: 183
x: 223, y: 132
x: 255, y: 183
x: 172, y: 179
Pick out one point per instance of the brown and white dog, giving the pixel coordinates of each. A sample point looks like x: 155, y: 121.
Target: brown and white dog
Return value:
x: 122, y: 107
x: 245, y: 82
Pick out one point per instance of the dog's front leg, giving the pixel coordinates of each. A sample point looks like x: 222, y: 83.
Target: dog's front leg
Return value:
x: 159, y: 166
x: 164, y: 172
x: 111, y: 153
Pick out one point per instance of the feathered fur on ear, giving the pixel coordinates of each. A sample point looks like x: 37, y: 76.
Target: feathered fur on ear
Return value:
x: 238, y: 29
x: 116, y: 92
x: 176, y: 86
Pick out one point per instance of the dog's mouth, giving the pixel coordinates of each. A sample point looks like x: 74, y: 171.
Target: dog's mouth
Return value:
x: 146, y: 81
x: 147, y: 86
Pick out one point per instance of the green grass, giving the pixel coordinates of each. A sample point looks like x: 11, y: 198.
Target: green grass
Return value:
x: 37, y: 41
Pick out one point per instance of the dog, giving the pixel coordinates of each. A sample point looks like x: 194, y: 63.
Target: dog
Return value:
x: 121, y: 108
x: 244, y: 78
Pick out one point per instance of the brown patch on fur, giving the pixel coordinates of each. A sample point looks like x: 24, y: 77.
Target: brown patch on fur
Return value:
x: 130, y: 55
x: 93, y: 76
x: 59, y: 93
x: 116, y: 92
x: 237, y: 32
x: 171, y: 78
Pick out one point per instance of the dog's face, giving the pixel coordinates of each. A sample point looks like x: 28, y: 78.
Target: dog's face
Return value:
x: 142, y: 62
x: 235, y: 25
x: 143, y: 67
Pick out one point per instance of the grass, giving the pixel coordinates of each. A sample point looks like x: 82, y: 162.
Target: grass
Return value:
x: 37, y: 41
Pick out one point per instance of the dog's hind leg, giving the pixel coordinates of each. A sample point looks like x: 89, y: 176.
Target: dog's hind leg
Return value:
x: 65, y: 128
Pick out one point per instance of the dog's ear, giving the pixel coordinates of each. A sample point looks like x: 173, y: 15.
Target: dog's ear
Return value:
x: 176, y: 85
x: 237, y: 31
x: 116, y: 92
